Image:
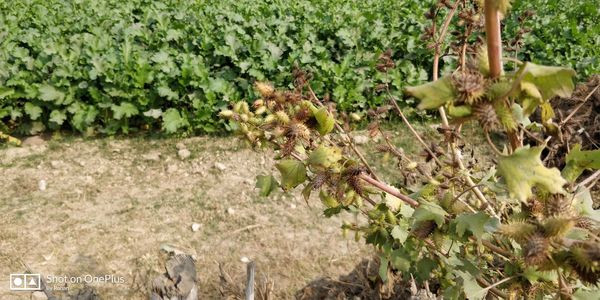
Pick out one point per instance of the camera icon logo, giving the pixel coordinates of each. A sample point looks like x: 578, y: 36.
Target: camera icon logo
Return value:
x: 25, y: 282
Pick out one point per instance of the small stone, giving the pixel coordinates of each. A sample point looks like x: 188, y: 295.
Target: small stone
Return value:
x: 293, y: 206
x: 360, y: 139
x: 231, y: 211
x: 42, y: 185
x: 35, y: 140
x: 245, y: 259
x: 172, y: 169
x: 180, y: 146
x: 248, y: 181
x: 55, y: 164
x: 152, y: 156
x: 220, y: 166
x: 196, y: 227
x: 38, y: 295
x: 184, y: 154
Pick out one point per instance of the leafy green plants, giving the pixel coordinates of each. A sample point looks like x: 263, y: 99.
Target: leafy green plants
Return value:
x: 507, y: 228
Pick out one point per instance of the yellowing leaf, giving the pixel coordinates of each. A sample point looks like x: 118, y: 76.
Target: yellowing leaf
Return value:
x: 524, y: 169
x: 549, y: 81
x: 578, y: 161
x: 433, y: 94
x: 324, y: 157
x: 292, y: 172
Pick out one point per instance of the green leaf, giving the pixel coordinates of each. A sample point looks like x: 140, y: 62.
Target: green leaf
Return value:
x: 424, y: 268
x: 400, y: 233
x: 324, y: 157
x: 460, y: 111
x: 383, y: 268
x: 524, y: 169
x: 587, y: 294
x: 58, y: 116
x: 49, y: 93
x: 6, y: 92
x: 32, y: 110
x: 473, y: 222
x: 125, y: 109
x: 173, y: 120
x: 579, y: 161
x: 585, y: 205
x: 472, y: 290
x: 293, y: 173
x: 428, y: 211
x: 433, y: 94
x: 266, y: 184
x: 325, y: 121
x: 549, y: 81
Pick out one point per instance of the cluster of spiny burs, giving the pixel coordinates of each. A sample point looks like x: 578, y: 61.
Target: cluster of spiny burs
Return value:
x: 513, y: 228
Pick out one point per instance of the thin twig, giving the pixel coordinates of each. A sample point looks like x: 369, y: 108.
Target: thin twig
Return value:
x: 591, y: 178
x: 494, y: 290
x: 579, y: 106
x: 489, y: 141
x: 414, y: 132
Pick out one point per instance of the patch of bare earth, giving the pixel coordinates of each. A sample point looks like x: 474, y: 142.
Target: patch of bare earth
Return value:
x: 109, y: 206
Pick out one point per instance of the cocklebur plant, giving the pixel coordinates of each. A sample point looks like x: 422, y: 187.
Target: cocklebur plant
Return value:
x: 511, y: 230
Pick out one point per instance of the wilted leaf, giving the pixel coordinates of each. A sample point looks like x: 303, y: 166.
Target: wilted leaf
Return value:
x: 433, y: 94
x: 324, y: 157
x: 293, y: 173
x: 266, y: 184
x: 579, y: 161
x: 524, y: 169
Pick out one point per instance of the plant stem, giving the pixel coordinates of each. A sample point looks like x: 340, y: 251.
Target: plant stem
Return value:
x: 493, y: 37
x: 389, y: 189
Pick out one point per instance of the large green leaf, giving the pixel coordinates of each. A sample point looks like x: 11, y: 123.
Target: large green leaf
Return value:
x: 524, y: 169
x: 32, y: 110
x: 124, y: 109
x: 50, y: 93
x: 173, y: 120
x: 579, y: 161
x: 293, y: 173
x: 433, y: 94
x: 428, y: 211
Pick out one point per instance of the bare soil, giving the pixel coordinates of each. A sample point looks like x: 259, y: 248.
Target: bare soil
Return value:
x: 112, y: 206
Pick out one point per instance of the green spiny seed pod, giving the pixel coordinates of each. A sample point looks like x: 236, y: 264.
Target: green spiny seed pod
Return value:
x: 505, y: 117
x: 282, y: 117
x: 270, y: 118
x: 237, y: 107
x: 391, y: 218
x: 470, y: 86
x: 244, y: 108
x: 243, y: 128
x: 355, y: 117
x: 261, y: 110
x: 535, y: 250
x: 226, y: 114
x: 244, y: 118
x: 498, y: 90
x: 423, y: 229
x: 255, y: 121
x: 585, y: 260
x: 518, y: 230
x: 557, y: 227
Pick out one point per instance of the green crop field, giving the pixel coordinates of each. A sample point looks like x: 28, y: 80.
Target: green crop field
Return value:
x: 111, y: 66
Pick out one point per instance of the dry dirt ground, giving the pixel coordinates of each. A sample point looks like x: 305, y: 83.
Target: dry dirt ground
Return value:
x: 111, y: 206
